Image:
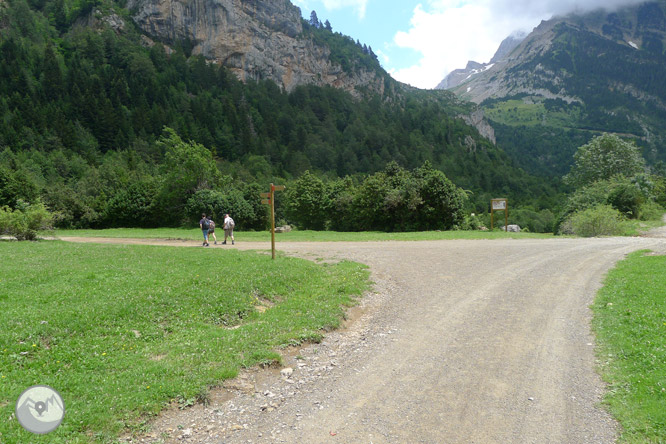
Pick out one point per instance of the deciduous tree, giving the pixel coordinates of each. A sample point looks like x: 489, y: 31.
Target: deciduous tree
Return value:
x: 604, y: 157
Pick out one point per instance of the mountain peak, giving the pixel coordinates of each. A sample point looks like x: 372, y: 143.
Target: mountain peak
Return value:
x: 458, y: 76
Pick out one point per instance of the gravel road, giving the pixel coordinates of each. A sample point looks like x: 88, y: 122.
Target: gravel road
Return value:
x: 460, y: 342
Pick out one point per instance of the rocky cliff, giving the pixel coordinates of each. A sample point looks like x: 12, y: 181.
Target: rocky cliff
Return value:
x: 256, y: 39
x: 455, y: 78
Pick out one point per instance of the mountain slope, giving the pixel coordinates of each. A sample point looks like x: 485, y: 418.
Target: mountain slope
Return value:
x: 575, y: 77
x: 85, y: 101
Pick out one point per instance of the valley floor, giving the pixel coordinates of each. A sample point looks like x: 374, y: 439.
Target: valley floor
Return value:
x: 462, y: 341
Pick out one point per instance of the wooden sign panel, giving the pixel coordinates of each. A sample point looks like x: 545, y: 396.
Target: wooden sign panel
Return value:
x: 498, y: 204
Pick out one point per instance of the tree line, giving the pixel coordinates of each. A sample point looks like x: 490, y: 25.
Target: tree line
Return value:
x: 90, y: 120
x: 125, y: 192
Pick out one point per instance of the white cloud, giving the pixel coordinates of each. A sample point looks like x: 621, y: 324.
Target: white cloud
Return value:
x: 303, y: 4
x: 359, y: 6
x: 383, y: 57
x: 448, y: 33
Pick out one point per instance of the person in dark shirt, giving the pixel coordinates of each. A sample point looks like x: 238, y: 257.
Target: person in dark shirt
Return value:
x: 204, y: 224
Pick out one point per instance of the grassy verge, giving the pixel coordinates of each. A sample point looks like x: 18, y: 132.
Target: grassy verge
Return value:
x: 120, y: 331
x: 297, y: 236
x: 634, y: 227
x: 630, y: 323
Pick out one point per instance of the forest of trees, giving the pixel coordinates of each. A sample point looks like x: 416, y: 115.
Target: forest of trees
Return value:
x: 87, y: 116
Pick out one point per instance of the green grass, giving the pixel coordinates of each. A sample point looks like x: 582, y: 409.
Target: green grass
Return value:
x: 531, y: 113
x: 633, y: 227
x: 297, y: 236
x: 121, y: 331
x: 630, y: 323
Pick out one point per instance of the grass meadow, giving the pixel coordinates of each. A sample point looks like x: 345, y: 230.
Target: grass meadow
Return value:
x: 122, y: 331
x: 296, y: 235
x: 630, y: 324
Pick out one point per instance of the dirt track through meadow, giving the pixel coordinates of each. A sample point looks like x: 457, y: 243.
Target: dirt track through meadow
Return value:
x: 461, y: 342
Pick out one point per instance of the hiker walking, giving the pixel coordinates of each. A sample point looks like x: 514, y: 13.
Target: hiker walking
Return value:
x: 229, y: 225
x: 204, y: 224
x: 211, y: 230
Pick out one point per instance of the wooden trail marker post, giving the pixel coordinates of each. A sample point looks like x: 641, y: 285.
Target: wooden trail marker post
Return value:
x: 499, y: 205
x: 269, y: 199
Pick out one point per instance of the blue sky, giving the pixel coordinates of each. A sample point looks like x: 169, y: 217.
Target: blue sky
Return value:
x: 420, y: 42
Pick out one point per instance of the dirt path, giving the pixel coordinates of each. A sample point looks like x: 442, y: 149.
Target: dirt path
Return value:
x: 462, y: 342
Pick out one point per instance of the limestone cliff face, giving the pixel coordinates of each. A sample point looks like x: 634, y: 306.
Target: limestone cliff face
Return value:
x: 256, y: 39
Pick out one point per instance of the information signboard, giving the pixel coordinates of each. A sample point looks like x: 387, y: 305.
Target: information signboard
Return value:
x: 499, y: 205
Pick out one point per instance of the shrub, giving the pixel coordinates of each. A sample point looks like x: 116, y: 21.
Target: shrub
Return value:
x: 15, y: 186
x: 650, y: 211
x: 24, y: 222
x: 627, y: 198
x: 216, y: 203
x: 625, y: 195
x: 471, y: 222
x: 132, y: 206
x: 601, y: 220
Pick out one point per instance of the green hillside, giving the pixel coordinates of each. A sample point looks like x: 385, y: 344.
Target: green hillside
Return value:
x: 84, y: 107
x: 612, y: 68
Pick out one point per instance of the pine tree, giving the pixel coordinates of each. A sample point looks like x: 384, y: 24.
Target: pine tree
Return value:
x: 314, y: 20
x: 60, y: 15
x: 52, y: 80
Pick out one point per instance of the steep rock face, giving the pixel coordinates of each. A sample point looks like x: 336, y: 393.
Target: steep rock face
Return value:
x: 507, y: 46
x: 477, y: 119
x: 256, y: 39
x: 499, y: 80
x: 459, y: 76
x: 639, y: 28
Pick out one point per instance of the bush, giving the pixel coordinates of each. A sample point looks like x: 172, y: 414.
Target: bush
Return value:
x: 15, y: 186
x: 216, y: 203
x: 627, y: 198
x: 133, y: 206
x: 650, y: 211
x: 471, y: 223
x: 625, y: 195
x: 24, y: 222
x: 601, y: 220
x: 442, y: 203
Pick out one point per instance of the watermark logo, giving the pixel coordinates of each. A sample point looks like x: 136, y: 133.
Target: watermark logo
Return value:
x: 40, y: 409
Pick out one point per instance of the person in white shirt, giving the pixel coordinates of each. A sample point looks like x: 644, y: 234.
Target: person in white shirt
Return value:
x: 228, y: 226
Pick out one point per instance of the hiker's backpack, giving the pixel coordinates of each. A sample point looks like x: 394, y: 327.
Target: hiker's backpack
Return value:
x: 232, y: 224
x: 206, y: 224
x: 211, y: 226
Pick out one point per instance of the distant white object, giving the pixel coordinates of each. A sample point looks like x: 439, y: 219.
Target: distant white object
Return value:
x: 512, y: 228
x: 284, y: 229
x: 633, y: 45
